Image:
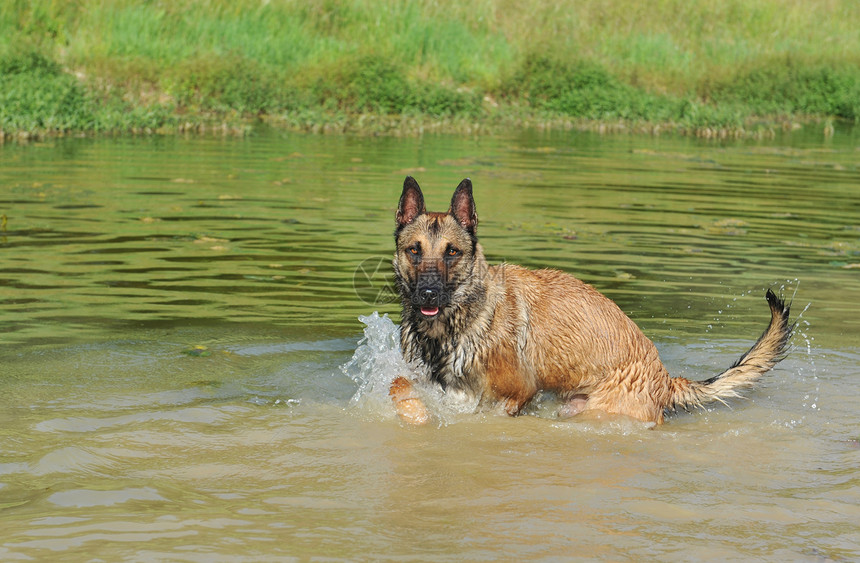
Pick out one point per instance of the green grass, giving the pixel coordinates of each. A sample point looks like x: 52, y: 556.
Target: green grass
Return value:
x: 150, y: 65
x: 37, y: 96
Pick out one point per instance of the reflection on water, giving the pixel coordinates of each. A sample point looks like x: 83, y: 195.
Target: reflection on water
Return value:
x: 174, y: 314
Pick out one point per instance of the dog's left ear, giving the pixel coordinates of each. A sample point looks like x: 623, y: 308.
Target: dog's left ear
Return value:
x: 463, y: 206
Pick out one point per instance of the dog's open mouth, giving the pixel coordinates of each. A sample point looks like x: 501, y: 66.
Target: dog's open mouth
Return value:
x: 429, y: 311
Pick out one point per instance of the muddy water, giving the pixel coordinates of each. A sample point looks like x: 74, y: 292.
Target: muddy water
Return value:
x: 175, y: 314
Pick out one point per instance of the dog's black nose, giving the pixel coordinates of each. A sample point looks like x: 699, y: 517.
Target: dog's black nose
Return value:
x: 429, y: 297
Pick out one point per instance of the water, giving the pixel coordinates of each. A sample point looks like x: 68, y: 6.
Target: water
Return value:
x: 175, y: 314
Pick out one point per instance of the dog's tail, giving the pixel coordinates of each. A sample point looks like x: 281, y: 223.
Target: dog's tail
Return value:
x: 770, y: 348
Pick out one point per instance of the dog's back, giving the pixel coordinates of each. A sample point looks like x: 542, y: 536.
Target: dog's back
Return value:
x: 550, y: 331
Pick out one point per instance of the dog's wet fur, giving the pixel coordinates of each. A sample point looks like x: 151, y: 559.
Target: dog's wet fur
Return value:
x: 503, y: 333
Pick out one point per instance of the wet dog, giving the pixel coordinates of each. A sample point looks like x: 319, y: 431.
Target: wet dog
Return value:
x: 503, y: 333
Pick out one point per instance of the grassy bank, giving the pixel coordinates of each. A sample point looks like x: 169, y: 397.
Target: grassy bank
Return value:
x: 134, y: 65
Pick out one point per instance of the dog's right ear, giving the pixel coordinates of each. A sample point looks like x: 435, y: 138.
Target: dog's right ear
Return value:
x: 463, y: 206
x: 411, y: 202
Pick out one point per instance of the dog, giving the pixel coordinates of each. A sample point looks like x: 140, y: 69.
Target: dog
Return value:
x: 500, y: 334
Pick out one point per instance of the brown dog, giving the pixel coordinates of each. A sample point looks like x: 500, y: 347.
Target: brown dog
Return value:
x: 503, y: 333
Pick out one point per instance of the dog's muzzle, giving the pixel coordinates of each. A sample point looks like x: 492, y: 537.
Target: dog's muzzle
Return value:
x: 430, y: 295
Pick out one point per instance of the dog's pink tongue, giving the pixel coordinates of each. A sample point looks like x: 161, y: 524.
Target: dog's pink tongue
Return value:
x: 430, y: 311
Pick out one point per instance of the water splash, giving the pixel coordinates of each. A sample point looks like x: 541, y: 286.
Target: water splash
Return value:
x: 376, y: 362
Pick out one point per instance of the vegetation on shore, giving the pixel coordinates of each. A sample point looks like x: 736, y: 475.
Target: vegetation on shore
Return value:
x: 156, y: 65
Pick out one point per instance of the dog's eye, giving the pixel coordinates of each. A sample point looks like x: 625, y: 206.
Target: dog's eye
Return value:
x: 453, y: 251
x: 414, y: 250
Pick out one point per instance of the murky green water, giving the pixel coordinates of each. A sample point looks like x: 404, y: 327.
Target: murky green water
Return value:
x: 174, y: 312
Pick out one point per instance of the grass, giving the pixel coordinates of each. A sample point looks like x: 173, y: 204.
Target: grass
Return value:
x: 38, y: 96
x: 136, y: 65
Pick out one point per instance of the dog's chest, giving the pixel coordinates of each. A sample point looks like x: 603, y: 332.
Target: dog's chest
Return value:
x: 449, y: 362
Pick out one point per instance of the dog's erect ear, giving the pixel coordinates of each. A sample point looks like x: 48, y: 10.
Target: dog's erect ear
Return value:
x: 463, y: 206
x: 411, y: 202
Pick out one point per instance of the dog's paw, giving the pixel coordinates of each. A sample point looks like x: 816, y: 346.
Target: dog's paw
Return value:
x: 409, y: 407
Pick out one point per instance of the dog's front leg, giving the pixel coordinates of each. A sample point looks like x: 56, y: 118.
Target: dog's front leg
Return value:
x: 410, y: 408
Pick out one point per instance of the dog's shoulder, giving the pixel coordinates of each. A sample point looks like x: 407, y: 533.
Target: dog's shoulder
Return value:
x: 548, y: 289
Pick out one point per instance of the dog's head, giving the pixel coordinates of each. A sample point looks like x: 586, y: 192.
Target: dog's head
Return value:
x: 436, y: 252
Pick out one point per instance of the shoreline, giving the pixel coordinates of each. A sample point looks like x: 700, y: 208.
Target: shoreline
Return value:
x: 369, y: 124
